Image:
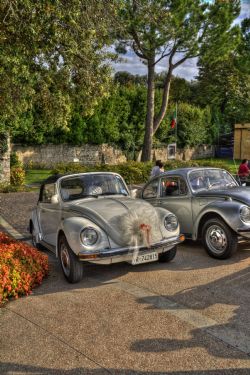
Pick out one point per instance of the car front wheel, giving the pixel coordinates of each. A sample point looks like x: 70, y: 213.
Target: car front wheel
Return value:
x: 168, y: 255
x: 72, y: 268
x: 218, y: 239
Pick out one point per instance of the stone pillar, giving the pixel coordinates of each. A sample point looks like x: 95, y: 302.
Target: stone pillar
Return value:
x: 4, y: 159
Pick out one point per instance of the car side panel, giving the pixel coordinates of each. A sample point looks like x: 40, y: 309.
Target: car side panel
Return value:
x: 49, y: 217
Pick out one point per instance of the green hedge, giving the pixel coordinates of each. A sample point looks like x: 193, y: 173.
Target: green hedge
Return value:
x: 136, y: 172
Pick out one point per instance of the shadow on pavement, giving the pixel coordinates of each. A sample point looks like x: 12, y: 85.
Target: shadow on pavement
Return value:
x: 211, y: 296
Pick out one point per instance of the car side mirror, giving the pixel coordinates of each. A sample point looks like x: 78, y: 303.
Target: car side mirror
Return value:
x: 133, y: 193
x: 54, y: 199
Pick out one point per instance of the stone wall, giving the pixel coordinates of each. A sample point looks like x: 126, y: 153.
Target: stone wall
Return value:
x: 49, y: 155
x: 198, y: 152
x: 5, y: 166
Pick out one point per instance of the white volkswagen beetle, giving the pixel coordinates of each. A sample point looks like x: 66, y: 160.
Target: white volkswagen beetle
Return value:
x: 92, y: 217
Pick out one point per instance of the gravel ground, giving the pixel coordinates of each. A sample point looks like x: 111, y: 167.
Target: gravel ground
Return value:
x: 15, y: 208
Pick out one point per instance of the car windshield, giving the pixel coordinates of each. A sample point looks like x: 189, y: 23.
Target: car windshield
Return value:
x: 210, y: 179
x: 91, y: 185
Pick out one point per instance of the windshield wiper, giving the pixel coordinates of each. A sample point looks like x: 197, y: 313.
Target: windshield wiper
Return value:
x: 89, y: 195
x: 110, y: 193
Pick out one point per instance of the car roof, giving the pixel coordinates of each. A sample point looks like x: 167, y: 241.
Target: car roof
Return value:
x: 54, y: 178
x: 185, y: 171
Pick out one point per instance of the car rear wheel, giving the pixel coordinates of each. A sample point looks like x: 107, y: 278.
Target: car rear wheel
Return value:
x: 168, y: 255
x: 72, y: 268
x: 218, y: 239
x: 33, y: 238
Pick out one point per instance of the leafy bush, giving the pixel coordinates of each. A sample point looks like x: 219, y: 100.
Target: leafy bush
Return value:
x: 137, y: 172
x: 17, y: 176
x: 22, y: 267
x: 14, y: 160
x: 7, y: 188
x: 32, y: 165
x: 132, y: 172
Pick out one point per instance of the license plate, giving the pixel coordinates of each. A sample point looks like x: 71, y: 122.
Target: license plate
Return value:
x: 144, y: 258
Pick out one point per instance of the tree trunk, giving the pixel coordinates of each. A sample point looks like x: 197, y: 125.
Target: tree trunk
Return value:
x: 164, y: 103
x: 4, y: 158
x: 148, y: 137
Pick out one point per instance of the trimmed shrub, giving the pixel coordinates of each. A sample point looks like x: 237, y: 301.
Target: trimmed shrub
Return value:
x: 136, y: 172
x: 17, y: 176
x: 22, y: 267
x: 132, y: 172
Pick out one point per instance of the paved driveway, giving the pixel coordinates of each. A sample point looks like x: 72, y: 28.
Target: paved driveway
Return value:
x: 190, y: 316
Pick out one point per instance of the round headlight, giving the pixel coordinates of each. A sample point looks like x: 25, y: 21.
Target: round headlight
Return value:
x: 171, y: 222
x: 89, y: 236
x: 245, y: 214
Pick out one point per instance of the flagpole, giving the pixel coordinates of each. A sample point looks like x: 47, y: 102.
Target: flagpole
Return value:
x: 176, y: 122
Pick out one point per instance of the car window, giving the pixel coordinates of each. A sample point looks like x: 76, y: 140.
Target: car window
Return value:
x: 210, y: 179
x: 151, y: 189
x: 91, y: 185
x: 47, y: 193
x: 71, y: 188
x: 197, y: 180
x: 173, y: 186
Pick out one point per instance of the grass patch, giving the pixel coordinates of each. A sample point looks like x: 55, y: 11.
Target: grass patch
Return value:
x: 36, y: 176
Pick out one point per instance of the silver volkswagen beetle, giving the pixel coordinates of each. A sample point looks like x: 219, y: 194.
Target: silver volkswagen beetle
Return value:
x: 209, y: 204
x: 93, y: 217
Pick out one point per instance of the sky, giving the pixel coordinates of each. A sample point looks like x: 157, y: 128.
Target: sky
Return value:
x: 188, y: 70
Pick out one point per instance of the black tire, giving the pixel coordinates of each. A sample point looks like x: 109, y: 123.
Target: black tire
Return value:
x: 72, y: 267
x: 168, y: 255
x: 218, y: 239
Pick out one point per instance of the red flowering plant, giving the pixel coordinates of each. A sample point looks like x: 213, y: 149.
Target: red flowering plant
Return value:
x: 22, y: 267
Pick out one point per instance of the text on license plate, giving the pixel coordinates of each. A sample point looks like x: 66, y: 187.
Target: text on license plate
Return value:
x: 144, y: 258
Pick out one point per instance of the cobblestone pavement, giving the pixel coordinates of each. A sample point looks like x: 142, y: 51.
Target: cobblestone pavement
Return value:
x: 16, y: 208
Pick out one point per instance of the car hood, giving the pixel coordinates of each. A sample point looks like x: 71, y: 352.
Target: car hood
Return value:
x: 127, y: 221
x: 241, y: 194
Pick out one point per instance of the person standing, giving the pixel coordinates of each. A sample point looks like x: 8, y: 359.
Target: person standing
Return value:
x: 243, y: 171
x: 157, y: 169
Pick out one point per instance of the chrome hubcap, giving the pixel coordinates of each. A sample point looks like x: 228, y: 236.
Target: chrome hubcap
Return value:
x: 65, y: 260
x: 216, y: 239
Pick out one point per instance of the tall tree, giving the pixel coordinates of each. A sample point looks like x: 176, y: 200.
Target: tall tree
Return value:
x: 51, y: 55
x: 175, y: 30
x: 225, y: 84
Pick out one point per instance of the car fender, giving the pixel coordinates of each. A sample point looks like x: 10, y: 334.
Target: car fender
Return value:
x: 162, y: 212
x: 72, y: 227
x: 228, y: 210
x: 34, y: 222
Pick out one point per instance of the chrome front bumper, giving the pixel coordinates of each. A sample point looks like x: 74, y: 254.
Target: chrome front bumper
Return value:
x: 125, y: 254
x: 244, y: 232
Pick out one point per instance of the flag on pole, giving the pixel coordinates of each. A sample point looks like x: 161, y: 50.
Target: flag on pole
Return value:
x: 173, y: 120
